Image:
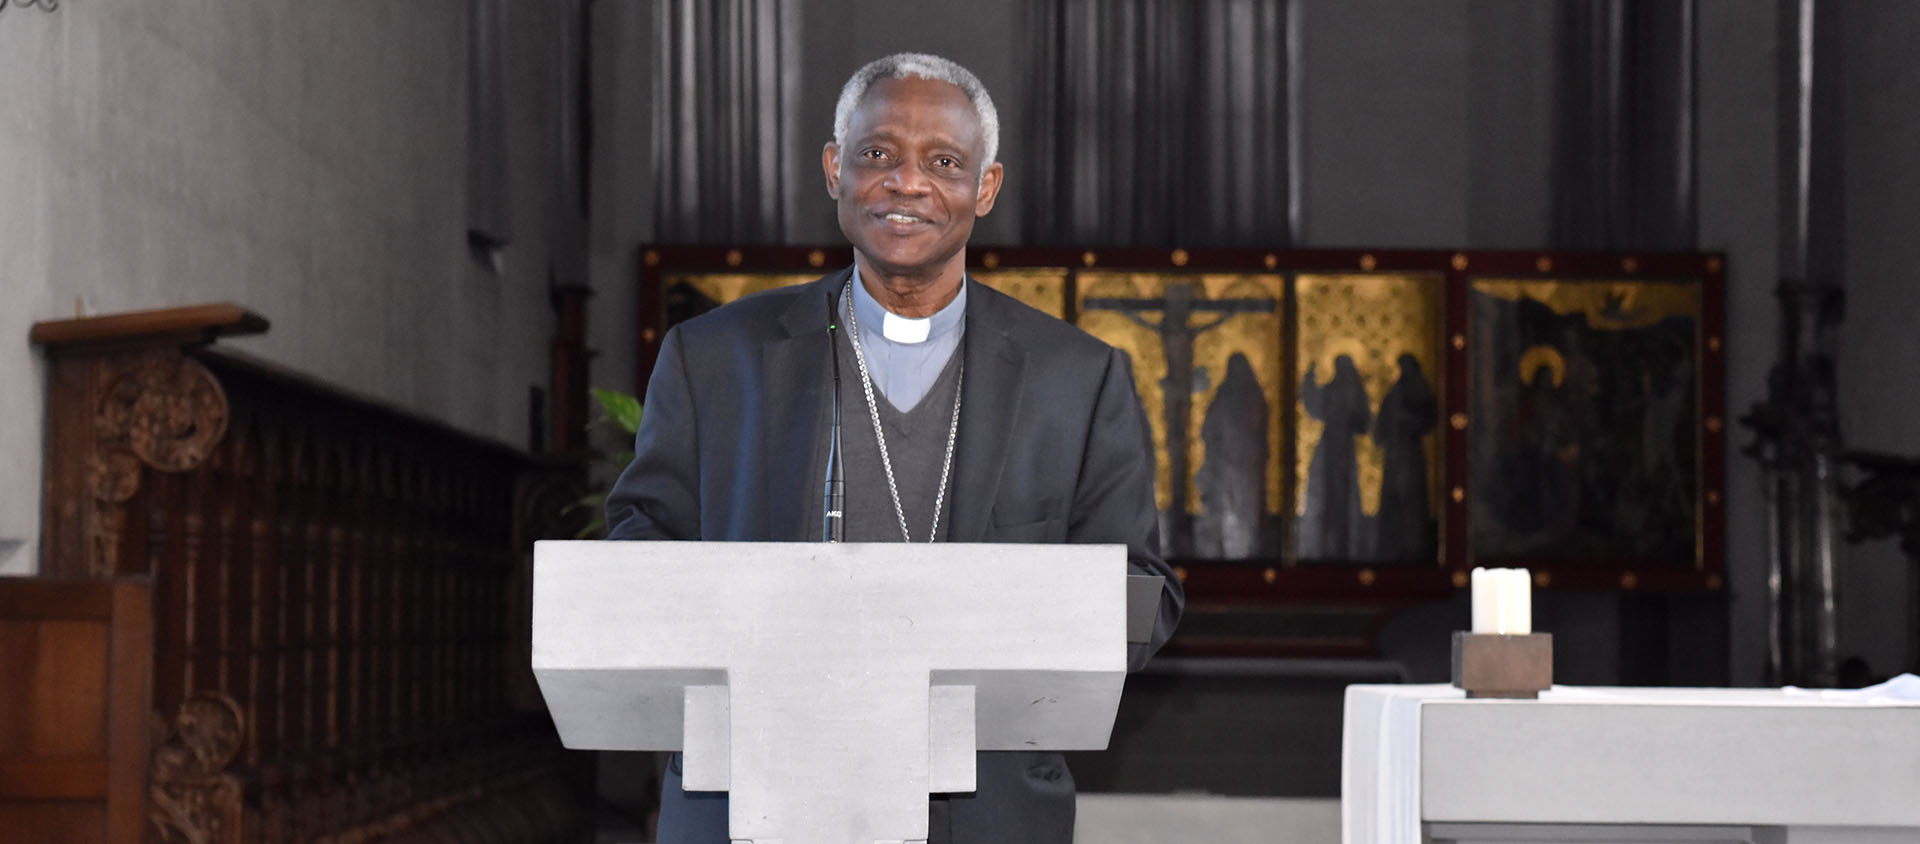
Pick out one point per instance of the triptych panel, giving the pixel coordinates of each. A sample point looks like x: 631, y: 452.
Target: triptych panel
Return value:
x: 1396, y: 416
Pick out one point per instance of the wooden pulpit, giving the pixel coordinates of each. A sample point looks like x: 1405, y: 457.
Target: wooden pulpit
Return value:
x: 830, y: 688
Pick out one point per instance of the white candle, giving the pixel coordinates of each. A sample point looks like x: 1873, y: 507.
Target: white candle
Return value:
x: 1486, y: 618
x: 1516, y: 604
x: 1502, y: 601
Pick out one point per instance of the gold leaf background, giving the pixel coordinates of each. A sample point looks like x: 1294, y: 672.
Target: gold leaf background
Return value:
x: 1374, y: 319
x: 1608, y: 305
x: 1257, y: 335
x: 1042, y: 288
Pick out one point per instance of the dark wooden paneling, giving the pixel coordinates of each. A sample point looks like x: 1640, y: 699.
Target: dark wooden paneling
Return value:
x: 331, y: 587
x: 54, y: 779
x: 19, y: 653
x: 74, y: 664
x: 130, y: 669
x: 68, y: 687
x: 56, y: 823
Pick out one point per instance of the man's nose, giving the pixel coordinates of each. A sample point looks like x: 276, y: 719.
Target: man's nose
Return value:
x: 909, y: 178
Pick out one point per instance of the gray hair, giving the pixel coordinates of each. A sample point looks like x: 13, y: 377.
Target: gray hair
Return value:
x: 922, y: 66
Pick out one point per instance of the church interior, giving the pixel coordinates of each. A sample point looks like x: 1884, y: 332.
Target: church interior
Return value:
x: 311, y: 303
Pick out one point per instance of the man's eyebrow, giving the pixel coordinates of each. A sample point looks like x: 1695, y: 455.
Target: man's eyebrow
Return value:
x: 958, y: 149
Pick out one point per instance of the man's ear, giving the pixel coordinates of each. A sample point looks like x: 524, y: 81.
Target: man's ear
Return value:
x: 989, y: 188
x: 830, y: 162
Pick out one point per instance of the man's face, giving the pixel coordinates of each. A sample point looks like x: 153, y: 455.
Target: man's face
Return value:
x: 911, y: 180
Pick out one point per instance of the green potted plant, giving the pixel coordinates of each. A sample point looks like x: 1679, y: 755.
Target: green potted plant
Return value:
x: 622, y: 411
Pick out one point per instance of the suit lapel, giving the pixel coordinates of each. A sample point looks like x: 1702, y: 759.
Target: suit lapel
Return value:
x: 798, y: 379
x: 990, y: 407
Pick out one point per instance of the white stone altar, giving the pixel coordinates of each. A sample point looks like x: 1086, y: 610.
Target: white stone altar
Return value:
x: 830, y: 687
x: 1762, y: 766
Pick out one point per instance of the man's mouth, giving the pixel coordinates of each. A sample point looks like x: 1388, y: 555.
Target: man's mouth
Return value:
x: 902, y: 218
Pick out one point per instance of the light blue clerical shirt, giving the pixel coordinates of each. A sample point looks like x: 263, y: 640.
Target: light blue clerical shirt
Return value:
x: 903, y: 371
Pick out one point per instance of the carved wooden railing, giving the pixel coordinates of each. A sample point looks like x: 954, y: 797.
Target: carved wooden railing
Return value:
x: 338, y: 590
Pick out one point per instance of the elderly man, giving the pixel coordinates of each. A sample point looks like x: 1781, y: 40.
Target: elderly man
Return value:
x: 969, y: 416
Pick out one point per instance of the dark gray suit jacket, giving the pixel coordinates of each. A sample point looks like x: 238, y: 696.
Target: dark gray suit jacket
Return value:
x: 1052, y: 447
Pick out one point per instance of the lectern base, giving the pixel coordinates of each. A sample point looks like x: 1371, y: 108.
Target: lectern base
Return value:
x: 828, y: 688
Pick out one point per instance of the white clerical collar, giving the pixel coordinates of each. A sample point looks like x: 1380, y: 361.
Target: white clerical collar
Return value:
x: 907, y: 330
x: 901, y: 329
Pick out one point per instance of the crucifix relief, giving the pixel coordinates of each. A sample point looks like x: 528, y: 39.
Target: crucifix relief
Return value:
x: 1177, y: 333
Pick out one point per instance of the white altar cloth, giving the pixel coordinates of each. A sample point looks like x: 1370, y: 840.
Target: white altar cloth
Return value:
x: 1417, y: 755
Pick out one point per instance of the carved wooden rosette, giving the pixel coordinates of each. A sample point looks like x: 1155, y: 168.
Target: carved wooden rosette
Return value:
x: 193, y: 800
x: 157, y: 410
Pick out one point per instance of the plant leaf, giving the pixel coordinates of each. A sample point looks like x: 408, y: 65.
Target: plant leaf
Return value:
x: 623, y: 409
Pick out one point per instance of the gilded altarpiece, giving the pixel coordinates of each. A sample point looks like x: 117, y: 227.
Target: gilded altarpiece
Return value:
x: 1355, y: 424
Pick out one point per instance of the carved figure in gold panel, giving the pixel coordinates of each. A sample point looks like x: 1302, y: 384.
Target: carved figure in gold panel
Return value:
x: 1367, y: 450
x: 1231, y: 480
x: 1405, y: 524
x: 1330, y: 521
x: 1218, y: 492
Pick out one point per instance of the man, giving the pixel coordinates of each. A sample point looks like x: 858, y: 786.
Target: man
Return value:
x: 968, y: 417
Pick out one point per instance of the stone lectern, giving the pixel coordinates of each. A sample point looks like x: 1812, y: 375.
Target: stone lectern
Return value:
x: 829, y: 687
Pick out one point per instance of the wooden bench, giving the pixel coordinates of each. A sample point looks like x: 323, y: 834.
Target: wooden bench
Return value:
x: 269, y: 610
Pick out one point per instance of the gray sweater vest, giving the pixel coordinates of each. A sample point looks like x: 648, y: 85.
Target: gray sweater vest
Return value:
x: 916, y: 444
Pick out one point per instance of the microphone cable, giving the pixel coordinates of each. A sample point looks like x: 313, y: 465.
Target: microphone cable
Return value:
x: 833, y: 525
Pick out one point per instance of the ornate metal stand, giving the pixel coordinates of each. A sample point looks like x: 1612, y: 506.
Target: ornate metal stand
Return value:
x: 1797, y: 443
x: 1797, y: 428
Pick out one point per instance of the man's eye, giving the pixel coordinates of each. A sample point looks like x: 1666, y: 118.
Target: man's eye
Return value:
x: 873, y: 154
x: 945, y: 161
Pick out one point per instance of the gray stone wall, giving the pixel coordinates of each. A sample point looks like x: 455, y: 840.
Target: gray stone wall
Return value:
x: 305, y: 160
